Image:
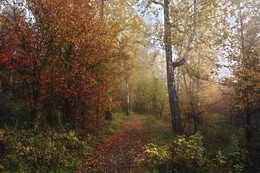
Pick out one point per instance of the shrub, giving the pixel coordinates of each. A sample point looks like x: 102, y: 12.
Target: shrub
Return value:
x: 157, y: 157
x: 188, y: 155
x: 181, y: 155
x: 48, y: 151
x: 232, y: 159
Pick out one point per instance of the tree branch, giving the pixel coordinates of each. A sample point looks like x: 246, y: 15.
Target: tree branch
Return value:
x: 183, y: 59
x: 157, y: 3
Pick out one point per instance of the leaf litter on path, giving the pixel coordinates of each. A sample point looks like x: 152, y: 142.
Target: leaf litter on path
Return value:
x: 118, y: 153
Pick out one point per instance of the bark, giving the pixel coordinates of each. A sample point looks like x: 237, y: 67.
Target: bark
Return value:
x: 102, y: 9
x: 198, y: 83
x: 183, y: 60
x: 197, y: 99
x: 249, y: 131
x: 127, y: 97
x: 35, y: 93
x: 178, y: 80
x: 97, y: 116
x: 177, y: 125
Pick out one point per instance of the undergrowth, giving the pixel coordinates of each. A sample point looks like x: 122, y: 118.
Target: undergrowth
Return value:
x: 51, y: 149
x: 159, y: 131
x: 186, y: 154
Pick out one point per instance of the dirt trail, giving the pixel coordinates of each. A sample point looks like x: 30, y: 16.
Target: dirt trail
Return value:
x: 118, y: 154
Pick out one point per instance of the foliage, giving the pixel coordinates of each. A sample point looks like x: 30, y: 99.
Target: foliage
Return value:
x: 62, y: 59
x: 51, y: 150
x: 157, y: 157
x: 159, y: 130
x: 48, y: 151
x: 243, y: 53
x: 188, y: 155
x: 150, y: 97
x: 231, y: 159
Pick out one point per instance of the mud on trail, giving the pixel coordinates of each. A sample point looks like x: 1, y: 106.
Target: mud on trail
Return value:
x: 118, y: 154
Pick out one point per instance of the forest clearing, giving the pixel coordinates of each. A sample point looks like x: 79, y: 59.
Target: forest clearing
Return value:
x: 130, y: 86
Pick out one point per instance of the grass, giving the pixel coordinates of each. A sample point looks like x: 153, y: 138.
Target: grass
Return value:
x: 108, y: 129
x: 159, y: 130
x: 217, y: 133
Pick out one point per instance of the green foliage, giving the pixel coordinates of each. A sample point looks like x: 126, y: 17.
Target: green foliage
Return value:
x: 150, y: 97
x: 51, y: 150
x: 188, y: 155
x: 181, y: 155
x: 157, y: 157
x: 48, y: 151
x: 232, y: 159
x: 159, y: 131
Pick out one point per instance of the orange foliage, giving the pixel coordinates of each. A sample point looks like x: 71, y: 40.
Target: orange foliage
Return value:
x: 65, y: 54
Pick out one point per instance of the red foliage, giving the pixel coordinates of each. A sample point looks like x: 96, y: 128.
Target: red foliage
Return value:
x: 64, y: 55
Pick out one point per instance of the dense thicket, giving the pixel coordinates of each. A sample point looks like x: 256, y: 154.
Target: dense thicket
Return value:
x: 59, y: 60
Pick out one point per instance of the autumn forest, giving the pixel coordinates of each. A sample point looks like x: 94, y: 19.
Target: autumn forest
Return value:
x: 130, y: 86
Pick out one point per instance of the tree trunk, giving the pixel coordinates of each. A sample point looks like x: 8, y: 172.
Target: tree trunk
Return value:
x: 249, y: 132
x: 127, y: 97
x: 35, y: 94
x: 102, y: 3
x: 198, y: 85
x: 178, y: 80
x: 173, y: 98
x: 97, y: 116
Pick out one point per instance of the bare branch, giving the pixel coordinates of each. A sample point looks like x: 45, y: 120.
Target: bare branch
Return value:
x: 190, y: 42
x: 157, y: 3
x: 181, y: 15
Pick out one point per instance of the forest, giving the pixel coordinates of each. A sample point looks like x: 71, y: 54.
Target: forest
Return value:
x: 145, y: 86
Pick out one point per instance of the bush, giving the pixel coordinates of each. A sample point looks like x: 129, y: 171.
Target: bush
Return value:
x: 188, y: 155
x: 181, y: 155
x: 157, y: 157
x: 233, y: 160
x: 48, y: 151
x: 52, y: 149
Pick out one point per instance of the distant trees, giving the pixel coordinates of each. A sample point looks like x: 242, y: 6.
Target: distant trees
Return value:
x: 244, y: 54
x: 150, y: 97
x: 128, y: 30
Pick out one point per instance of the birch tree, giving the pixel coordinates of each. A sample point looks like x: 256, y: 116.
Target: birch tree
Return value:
x: 181, y: 20
x: 166, y: 6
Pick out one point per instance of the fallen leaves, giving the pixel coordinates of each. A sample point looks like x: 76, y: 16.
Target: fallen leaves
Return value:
x: 118, y: 153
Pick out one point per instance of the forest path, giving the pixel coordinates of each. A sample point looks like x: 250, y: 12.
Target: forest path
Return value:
x: 118, y: 153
